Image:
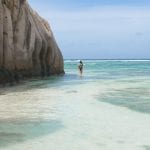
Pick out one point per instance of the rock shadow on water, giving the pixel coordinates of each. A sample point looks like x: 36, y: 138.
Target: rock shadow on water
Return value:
x: 56, y: 82
x: 12, y: 132
x: 43, y: 83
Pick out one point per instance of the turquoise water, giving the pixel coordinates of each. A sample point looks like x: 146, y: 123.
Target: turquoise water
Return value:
x: 111, y: 69
x: 134, y: 74
x: 108, y: 108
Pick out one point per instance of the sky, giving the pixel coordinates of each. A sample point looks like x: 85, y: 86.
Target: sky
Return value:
x: 99, y: 29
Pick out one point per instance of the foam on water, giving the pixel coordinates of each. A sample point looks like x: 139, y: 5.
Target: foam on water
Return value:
x: 106, y: 109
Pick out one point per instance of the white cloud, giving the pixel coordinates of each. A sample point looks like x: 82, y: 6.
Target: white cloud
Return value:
x: 118, y: 31
x: 93, y: 18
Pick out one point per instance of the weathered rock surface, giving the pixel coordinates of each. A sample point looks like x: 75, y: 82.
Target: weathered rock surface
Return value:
x: 27, y: 45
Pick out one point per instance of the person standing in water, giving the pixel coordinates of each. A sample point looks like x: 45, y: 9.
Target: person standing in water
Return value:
x: 80, y: 67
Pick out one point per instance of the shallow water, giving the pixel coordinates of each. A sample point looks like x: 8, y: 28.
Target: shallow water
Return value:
x: 108, y: 108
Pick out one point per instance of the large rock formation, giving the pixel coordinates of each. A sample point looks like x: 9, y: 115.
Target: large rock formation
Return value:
x: 27, y: 45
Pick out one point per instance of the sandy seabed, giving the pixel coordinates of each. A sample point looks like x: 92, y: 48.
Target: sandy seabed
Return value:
x: 37, y: 115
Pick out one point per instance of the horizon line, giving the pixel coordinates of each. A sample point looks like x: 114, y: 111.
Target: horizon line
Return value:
x: 107, y: 59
